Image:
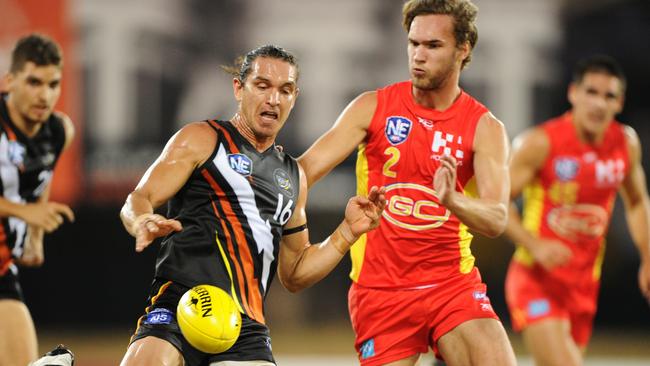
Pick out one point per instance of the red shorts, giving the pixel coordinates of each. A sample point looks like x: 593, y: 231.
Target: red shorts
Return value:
x: 392, y: 324
x: 532, y: 295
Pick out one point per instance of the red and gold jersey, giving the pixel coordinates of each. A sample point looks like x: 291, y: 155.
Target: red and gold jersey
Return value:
x: 419, y: 242
x: 573, y: 195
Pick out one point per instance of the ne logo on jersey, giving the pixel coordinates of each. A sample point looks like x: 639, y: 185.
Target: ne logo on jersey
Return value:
x: 397, y: 129
x: 566, y: 168
x: 240, y: 163
x: 283, y: 181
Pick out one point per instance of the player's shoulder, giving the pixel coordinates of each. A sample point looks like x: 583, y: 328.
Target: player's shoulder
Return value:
x: 365, y: 100
x: 632, y: 139
x: 534, y: 139
x: 199, y: 134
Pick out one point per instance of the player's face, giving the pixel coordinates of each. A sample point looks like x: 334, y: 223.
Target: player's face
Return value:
x: 596, y: 100
x: 433, y: 54
x: 267, y: 95
x: 34, y: 90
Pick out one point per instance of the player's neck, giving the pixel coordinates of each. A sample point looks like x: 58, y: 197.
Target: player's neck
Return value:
x: 588, y: 137
x: 440, y: 98
x: 27, y: 127
x: 260, y: 143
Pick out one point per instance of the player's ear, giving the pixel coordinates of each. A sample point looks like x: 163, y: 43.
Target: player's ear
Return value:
x: 6, y: 81
x: 237, y: 87
x: 571, y: 93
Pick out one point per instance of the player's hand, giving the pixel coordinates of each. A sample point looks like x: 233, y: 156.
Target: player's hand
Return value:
x: 33, y: 252
x: 444, y: 180
x: 644, y: 279
x: 148, y: 227
x: 46, y: 215
x: 363, y: 214
x: 550, y: 253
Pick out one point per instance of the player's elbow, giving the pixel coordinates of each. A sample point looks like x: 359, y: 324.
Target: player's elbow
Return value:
x: 497, y: 224
x: 293, y: 284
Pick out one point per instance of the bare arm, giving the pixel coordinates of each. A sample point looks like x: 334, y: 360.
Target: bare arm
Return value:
x: 184, y: 152
x: 486, y: 214
x: 301, y: 264
x: 637, y: 209
x: 335, y: 145
x: 530, y: 151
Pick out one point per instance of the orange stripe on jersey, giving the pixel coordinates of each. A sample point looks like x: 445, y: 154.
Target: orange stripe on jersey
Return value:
x: 148, y: 308
x: 8, y: 130
x: 5, y: 253
x: 532, y: 220
x: 231, y: 144
x: 240, y: 276
x: 254, y: 296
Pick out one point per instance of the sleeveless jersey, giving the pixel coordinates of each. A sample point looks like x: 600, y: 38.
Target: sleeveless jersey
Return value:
x: 419, y: 242
x: 573, y: 196
x: 26, y: 166
x: 232, y: 209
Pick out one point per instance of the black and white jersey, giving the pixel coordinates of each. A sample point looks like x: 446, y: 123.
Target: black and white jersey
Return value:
x: 232, y: 209
x: 26, y: 166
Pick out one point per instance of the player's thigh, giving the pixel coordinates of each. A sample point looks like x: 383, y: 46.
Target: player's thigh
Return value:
x: 18, y: 344
x: 550, y: 342
x: 242, y: 363
x: 152, y: 351
x: 477, y: 342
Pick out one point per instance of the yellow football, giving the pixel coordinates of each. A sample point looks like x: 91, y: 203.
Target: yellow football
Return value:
x: 209, y: 318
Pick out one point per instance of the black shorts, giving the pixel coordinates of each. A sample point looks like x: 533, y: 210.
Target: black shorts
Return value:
x: 9, y: 286
x: 254, y: 342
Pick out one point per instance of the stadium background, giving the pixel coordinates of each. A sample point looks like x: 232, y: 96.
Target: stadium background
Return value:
x: 136, y: 71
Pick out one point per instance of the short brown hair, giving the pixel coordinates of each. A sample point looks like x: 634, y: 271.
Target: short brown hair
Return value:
x: 36, y: 48
x: 462, y: 11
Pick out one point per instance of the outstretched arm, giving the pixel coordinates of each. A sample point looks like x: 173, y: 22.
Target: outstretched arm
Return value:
x: 637, y: 209
x: 301, y: 264
x: 185, y: 151
x: 529, y: 151
x: 335, y: 145
x: 487, y: 213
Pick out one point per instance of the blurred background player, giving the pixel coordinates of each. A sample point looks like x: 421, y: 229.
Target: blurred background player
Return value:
x: 442, y: 157
x: 32, y: 138
x: 236, y: 214
x: 569, y: 169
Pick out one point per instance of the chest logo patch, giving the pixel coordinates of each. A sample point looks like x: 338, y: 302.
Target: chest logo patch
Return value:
x: 283, y: 181
x: 241, y: 163
x: 566, y: 168
x: 16, y: 152
x: 397, y: 129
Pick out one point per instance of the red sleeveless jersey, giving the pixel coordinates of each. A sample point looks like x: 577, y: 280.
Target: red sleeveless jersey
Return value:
x: 573, y: 195
x: 419, y: 242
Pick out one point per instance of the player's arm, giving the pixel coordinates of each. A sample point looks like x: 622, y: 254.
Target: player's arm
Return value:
x: 346, y: 134
x: 301, y: 264
x: 184, y: 152
x: 486, y: 214
x: 529, y: 152
x: 43, y: 215
x: 637, y: 209
x: 33, y: 255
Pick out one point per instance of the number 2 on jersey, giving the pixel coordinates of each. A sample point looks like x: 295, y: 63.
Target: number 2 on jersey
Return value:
x: 394, y: 158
